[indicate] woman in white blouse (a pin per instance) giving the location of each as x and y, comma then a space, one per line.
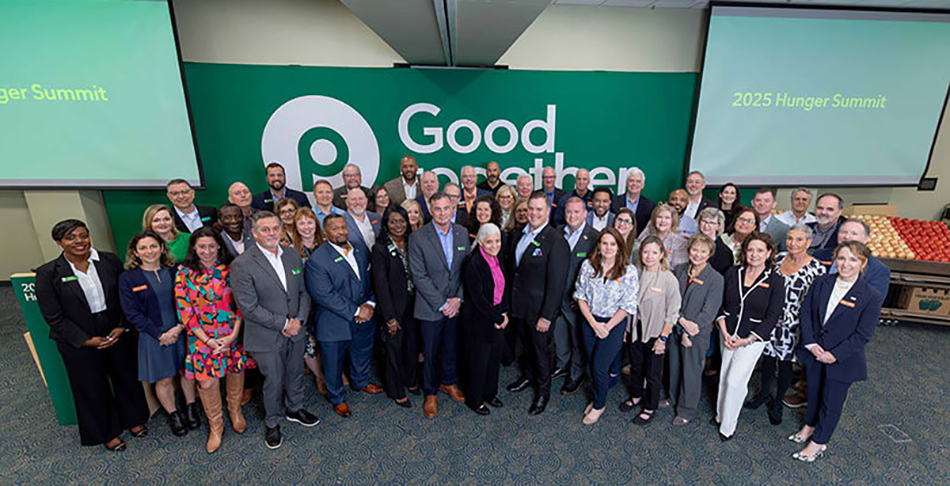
606, 293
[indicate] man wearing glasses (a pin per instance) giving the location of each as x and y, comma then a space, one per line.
187, 215
352, 178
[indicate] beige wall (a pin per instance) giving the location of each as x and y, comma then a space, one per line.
19, 243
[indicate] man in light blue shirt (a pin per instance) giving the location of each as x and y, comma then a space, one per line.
323, 194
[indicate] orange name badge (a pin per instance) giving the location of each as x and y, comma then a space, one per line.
657, 290
696, 280
669, 252
139, 288
764, 285
846, 303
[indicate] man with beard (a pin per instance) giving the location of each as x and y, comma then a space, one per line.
492, 178
352, 178
679, 200
364, 226
406, 185
829, 220
600, 216
188, 216
231, 221
581, 191
695, 184
276, 180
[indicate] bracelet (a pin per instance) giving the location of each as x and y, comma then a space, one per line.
663, 339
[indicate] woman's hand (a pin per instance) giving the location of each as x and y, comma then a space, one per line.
659, 347
600, 329
685, 341
504, 322
689, 326
827, 358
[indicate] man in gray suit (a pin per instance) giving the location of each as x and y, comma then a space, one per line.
436, 253
567, 332
269, 289
406, 186
763, 203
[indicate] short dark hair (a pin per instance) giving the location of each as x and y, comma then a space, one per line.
764, 238
177, 181
193, 261
228, 205
331, 217
606, 189
395, 208
261, 215
438, 196
273, 165
62, 228
867, 228
763, 190
539, 194
831, 194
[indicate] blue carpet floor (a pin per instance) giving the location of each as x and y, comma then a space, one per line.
383, 444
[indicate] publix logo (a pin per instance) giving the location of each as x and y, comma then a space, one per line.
331, 134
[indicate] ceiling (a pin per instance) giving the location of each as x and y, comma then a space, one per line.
477, 33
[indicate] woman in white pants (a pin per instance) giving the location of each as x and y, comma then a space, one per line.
752, 304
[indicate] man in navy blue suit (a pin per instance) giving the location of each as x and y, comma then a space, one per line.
338, 281
277, 190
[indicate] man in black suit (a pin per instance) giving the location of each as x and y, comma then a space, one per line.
548, 180
277, 180
187, 215
696, 202
581, 190
538, 275
352, 178
568, 345
641, 206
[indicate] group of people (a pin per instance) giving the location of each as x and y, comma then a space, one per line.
453, 283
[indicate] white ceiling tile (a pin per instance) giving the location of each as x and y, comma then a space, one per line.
578, 2
675, 3
629, 3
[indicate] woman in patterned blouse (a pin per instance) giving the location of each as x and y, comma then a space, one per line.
207, 309
606, 293
799, 271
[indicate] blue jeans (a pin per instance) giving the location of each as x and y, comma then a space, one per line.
602, 353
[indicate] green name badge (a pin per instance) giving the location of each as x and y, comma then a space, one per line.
295, 271
461, 248
582, 254
70, 279
268, 201
535, 243
206, 218
338, 259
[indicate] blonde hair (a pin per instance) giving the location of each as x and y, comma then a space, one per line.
408, 204
149, 215
655, 240
675, 216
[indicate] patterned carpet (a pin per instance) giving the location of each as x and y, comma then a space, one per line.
383, 444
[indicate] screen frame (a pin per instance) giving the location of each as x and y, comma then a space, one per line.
709, 11
139, 187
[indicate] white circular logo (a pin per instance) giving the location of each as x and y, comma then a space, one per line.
281, 139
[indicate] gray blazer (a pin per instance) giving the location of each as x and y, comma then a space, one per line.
702, 300
777, 230
262, 299
356, 238
435, 282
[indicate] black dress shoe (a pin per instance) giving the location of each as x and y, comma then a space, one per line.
272, 438
414, 391
570, 387
775, 412
713, 422
723, 438
537, 407
558, 373
481, 410
192, 415
404, 404
177, 423
521, 384
756, 402
303, 417
495, 402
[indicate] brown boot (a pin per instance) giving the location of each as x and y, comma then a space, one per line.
235, 389
211, 401
430, 408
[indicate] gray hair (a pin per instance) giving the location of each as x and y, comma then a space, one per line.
712, 212
809, 234
867, 228
803, 189
636, 171
258, 216
486, 230
351, 165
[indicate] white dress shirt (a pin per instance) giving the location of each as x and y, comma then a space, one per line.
366, 229
692, 208
192, 220
276, 262
349, 256
599, 223
238, 244
410, 190
90, 283
790, 219
573, 237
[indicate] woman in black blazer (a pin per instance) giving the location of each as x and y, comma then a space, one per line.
395, 295
838, 318
484, 318
78, 296
752, 303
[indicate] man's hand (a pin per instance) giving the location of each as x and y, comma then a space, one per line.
543, 325
451, 307
292, 327
689, 326
365, 314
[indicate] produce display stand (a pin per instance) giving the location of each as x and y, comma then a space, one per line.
915, 274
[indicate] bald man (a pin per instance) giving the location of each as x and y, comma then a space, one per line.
430, 186
492, 180
406, 186
679, 199
581, 191
240, 195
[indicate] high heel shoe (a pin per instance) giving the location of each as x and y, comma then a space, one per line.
803, 458
798, 439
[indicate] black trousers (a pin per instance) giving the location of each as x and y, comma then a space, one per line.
484, 362
535, 361
106, 390
402, 358
645, 364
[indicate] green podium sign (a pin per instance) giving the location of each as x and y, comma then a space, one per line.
50, 362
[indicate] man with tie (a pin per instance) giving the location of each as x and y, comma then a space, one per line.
568, 345
436, 253
269, 289
277, 190
337, 276
537, 287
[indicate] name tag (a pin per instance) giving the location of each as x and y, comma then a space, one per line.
139, 288
764, 285
657, 290
206, 218
697, 281
535, 243
582, 254
846, 303
338, 259
70, 279
669, 252
375, 221
461, 248
268, 201
295, 271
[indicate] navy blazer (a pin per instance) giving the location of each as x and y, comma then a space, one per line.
356, 237
207, 214
847, 331
63, 303
265, 200
759, 310
558, 210
140, 302
644, 209
424, 207
876, 273
336, 291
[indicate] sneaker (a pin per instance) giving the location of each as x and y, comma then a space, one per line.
303, 417
272, 438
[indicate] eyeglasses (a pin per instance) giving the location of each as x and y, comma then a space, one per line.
710, 223
746, 220
505, 197
288, 211
624, 221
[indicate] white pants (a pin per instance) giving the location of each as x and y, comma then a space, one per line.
737, 367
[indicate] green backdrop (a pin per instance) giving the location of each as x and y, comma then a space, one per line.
606, 120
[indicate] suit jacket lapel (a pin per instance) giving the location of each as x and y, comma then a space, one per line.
437, 243
853, 296
64, 271
265, 265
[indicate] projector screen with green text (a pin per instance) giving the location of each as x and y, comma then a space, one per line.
820, 97
92, 95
